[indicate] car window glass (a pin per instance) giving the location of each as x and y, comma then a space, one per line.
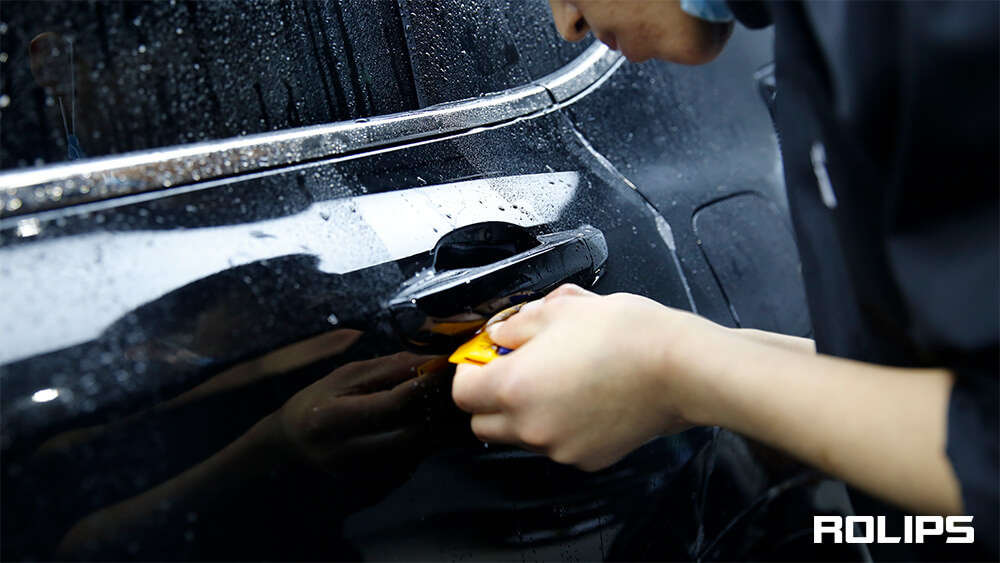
541, 48
465, 48
85, 79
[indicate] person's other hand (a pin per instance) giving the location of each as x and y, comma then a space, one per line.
589, 380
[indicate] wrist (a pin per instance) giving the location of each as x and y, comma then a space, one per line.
269, 438
687, 369
732, 375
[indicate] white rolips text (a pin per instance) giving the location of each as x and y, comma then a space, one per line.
871, 529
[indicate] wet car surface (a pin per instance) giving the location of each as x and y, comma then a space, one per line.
223, 330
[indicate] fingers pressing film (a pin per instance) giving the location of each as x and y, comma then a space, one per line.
513, 330
520, 328
532, 318
474, 390
493, 428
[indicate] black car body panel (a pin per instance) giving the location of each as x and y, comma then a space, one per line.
211, 368
708, 138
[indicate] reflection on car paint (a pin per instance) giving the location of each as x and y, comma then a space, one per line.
345, 425
243, 311
526, 200
345, 235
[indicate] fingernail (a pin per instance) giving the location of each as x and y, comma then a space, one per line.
493, 328
504, 315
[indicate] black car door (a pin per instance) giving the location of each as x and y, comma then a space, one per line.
226, 313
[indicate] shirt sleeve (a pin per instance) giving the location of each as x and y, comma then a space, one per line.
943, 225
972, 447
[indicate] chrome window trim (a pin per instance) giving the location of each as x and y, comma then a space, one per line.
50, 187
585, 70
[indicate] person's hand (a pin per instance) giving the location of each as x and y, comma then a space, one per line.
592, 378
589, 380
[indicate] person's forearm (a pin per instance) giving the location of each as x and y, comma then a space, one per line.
797, 343
880, 429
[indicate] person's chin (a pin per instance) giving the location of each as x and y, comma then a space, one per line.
634, 57
608, 39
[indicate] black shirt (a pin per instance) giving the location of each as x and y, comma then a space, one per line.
888, 118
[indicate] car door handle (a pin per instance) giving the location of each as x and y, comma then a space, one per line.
484, 268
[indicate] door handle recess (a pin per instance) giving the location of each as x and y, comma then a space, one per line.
443, 306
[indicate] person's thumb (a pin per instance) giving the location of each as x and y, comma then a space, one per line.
519, 328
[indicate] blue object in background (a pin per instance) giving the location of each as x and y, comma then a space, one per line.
709, 10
